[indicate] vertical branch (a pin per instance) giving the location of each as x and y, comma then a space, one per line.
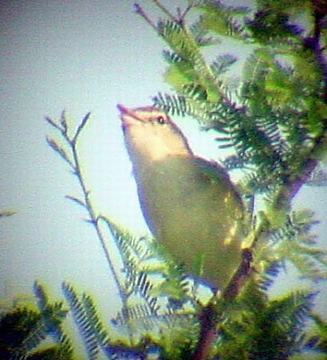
93, 220
313, 43
75, 165
208, 332
319, 14
210, 316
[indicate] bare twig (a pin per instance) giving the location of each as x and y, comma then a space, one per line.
139, 10
165, 11
183, 14
86, 202
53, 124
80, 127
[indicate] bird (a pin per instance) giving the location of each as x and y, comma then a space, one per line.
190, 205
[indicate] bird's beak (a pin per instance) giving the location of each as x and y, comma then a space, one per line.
128, 116
123, 109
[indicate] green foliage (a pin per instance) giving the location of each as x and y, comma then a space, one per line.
294, 241
318, 337
16, 327
122, 338
94, 334
275, 126
262, 329
24, 328
289, 5
222, 19
154, 292
188, 65
277, 117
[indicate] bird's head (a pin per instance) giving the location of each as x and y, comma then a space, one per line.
151, 135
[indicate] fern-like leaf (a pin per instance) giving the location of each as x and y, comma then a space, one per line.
82, 321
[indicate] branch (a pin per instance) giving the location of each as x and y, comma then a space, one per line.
86, 202
183, 15
211, 316
179, 20
166, 11
80, 128
293, 183
201, 65
313, 43
208, 333
139, 10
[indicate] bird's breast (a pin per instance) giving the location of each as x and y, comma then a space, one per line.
193, 209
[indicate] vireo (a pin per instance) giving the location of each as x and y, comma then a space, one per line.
189, 203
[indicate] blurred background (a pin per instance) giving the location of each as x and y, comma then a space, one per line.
79, 57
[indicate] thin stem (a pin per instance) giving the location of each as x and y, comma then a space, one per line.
139, 10
80, 127
75, 165
164, 10
93, 219
201, 64
183, 15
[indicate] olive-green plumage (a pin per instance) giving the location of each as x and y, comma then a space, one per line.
189, 203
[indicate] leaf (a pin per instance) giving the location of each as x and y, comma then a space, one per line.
81, 126
58, 149
222, 63
7, 213
76, 200
83, 321
53, 124
179, 74
222, 20
63, 122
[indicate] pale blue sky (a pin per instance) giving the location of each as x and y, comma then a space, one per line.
79, 56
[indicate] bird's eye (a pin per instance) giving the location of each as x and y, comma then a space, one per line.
161, 120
